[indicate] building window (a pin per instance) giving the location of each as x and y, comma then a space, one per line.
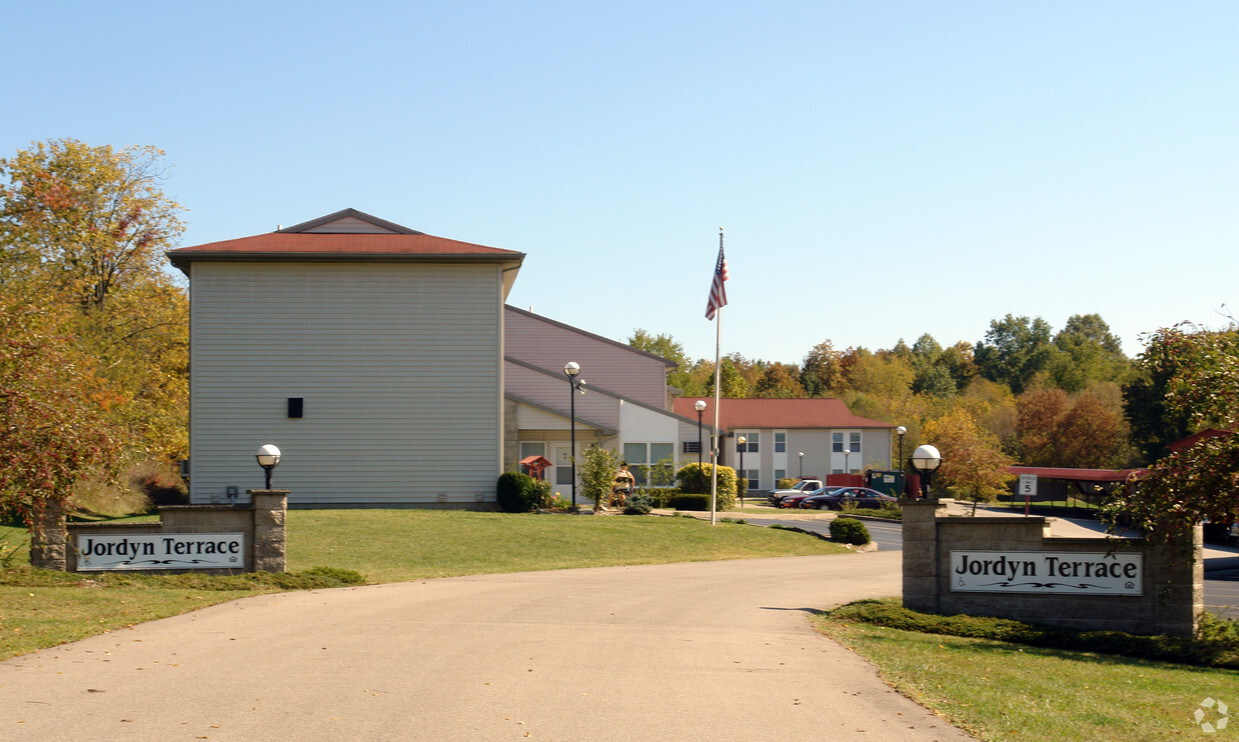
750, 441
779, 474
836, 442
854, 442
651, 464
751, 475
532, 449
780, 442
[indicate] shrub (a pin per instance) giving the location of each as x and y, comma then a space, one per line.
639, 503
849, 531
785, 483
159, 484
542, 495
695, 479
515, 492
689, 502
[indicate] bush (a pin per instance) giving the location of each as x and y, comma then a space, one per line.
689, 502
515, 492
639, 503
159, 484
785, 483
849, 531
695, 479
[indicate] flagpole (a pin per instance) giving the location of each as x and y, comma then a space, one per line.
718, 342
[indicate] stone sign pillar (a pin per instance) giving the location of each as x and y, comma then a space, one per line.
270, 509
48, 537
920, 553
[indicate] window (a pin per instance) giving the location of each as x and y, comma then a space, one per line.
533, 449
751, 475
854, 442
779, 474
750, 441
780, 442
836, 442
651, 464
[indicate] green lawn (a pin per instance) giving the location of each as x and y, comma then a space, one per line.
41, 609
1005, 692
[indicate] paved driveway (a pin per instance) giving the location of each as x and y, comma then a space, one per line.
704, 651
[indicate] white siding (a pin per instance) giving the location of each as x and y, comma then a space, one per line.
399, 364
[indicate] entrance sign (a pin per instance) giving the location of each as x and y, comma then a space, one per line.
1046, 572
106, 552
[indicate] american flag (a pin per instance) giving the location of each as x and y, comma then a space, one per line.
718, 292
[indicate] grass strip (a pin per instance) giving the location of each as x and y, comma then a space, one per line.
1005, 691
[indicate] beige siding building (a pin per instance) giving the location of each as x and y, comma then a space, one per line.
371, 354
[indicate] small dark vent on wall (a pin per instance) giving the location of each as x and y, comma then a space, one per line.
296, 406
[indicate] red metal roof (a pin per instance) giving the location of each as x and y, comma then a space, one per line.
735, 414
1075, 475
1195, 438
281, 245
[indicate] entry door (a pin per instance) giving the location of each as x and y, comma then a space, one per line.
563, 468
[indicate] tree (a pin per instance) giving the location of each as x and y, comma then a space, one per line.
91, 219
667, 347
52, 431
597, 474
1015, 350
972, 460
1089, 353
779, 381
1201, 482
733, 384
84, 228
821, 370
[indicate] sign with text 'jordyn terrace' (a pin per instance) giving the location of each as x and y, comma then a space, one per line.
1046, 572
105, 552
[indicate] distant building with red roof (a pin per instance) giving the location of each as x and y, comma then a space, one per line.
778, 431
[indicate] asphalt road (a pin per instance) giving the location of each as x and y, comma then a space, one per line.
706, 651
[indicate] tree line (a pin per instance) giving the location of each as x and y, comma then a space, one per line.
1024, 394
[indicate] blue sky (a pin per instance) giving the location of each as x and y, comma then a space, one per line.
882, 169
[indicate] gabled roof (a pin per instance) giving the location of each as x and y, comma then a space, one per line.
1195, 438
345, 235
819, 414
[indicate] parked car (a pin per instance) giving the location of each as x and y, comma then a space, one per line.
861, 497
804, 486
793, 501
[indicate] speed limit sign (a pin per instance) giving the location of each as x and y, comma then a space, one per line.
1028, 484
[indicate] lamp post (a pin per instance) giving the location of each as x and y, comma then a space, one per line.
801, 455
268, 457
740, 446
926, 460
700, 406
847, 466
902, 466
571, 369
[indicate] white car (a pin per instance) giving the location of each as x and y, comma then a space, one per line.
801, 487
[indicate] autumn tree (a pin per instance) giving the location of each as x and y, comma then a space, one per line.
973, 463
91, 219
779, 381
52, 430
821, 370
